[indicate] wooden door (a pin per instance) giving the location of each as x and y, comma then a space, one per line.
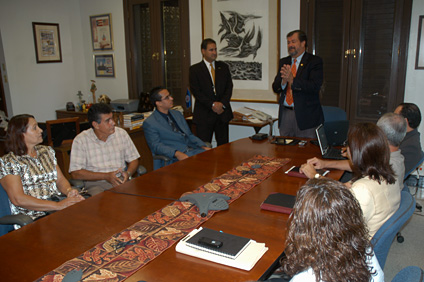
157, 46
364, 47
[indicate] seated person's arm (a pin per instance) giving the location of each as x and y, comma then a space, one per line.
336, 164
13, 186
64, 186
110, 177
180, 155
131, 169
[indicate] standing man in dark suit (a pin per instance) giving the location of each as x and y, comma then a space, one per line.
298, 82
212, 86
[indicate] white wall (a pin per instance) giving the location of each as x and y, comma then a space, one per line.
40, 89
414, 86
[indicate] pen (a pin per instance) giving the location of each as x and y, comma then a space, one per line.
290, 169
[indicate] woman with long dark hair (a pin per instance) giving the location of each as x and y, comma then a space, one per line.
29, 172
327, 238
373, 183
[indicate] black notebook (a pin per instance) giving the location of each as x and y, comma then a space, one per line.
232, 245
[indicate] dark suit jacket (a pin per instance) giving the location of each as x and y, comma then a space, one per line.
201, 87
162, 140
305, 88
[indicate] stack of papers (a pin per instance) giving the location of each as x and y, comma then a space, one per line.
238, 252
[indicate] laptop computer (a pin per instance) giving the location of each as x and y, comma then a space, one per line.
336, 132
327, 151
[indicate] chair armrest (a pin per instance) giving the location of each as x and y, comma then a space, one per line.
141, 170
20, 219
160, 157
77, 183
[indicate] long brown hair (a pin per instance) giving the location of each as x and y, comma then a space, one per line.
327, 233
370, 153
16, 128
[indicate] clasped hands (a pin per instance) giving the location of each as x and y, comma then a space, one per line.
286, 74
218, 107
118, 177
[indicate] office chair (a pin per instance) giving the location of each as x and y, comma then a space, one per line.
62, 130
160, 161
408, 173
333, 113
383, 239
7, 220
409, 274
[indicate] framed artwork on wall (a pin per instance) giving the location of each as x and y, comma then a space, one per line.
101, 32
419, 63
104, 65
247, 35
47, 42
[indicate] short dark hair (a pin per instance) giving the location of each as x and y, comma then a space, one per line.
412, 113
205, 43
394, 126
15, 141
370, 153
95, 112
155, 96
301, 34
327, 232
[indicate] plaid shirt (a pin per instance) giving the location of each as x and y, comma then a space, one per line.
92, 154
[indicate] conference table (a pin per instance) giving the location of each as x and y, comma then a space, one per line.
34, 250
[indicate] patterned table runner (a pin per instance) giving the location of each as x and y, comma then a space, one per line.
127, 251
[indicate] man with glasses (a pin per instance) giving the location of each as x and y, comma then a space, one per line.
166, 130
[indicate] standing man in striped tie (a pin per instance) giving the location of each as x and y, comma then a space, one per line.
212, 86
298, 82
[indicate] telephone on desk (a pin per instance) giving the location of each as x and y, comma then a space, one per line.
261, 115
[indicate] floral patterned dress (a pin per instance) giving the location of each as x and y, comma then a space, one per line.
38, 176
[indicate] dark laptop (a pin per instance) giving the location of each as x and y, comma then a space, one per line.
327, 151
336, 132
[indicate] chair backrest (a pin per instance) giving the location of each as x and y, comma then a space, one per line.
4, 210
333, 113
409, 274
60, 130
407, 173
383, 239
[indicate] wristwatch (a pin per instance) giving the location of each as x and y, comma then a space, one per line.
317, 175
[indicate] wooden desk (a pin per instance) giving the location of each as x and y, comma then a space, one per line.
256, 126
40, 247
137, 136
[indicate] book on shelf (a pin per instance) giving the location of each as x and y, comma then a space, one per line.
279, 202
231, 250
294, 171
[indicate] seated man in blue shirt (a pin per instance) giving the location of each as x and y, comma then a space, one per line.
166, 130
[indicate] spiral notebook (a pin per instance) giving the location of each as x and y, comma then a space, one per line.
246, 257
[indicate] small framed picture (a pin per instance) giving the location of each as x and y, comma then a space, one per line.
104, 65
419, 63
47, 42
101, 32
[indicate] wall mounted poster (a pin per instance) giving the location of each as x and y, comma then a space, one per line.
247, 37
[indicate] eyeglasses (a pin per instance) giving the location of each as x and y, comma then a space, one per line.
166, 97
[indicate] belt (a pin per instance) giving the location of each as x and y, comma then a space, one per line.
289, 108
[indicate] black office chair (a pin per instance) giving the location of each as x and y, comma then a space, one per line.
7, 220
408, 173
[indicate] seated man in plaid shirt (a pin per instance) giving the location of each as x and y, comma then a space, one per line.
103, 156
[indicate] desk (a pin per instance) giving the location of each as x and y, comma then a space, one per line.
256, 126
40, 247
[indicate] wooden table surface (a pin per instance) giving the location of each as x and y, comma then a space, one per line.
40, 247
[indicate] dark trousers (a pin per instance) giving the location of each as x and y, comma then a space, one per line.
288, 125
206, 131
